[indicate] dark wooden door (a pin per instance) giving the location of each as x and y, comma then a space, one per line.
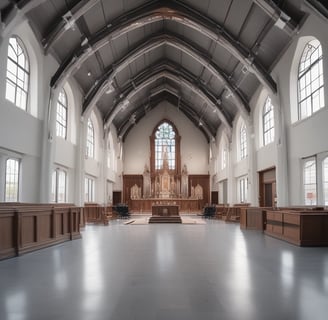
117, 197
268, 201
267, 185
214, 197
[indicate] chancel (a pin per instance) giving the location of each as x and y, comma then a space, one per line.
163, 159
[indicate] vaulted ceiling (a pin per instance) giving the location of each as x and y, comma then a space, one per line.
206, 57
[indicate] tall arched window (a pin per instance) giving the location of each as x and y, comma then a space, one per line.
325, 181
17, 79
165, 146
268, 122
243, 141
90, 140
61, 118
310, 80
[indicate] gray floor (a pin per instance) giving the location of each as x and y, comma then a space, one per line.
211, 271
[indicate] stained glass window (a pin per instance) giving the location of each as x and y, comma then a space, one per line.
165, 146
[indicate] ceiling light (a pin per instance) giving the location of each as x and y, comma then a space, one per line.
110, 87
125, 103
229, 93
133, 118
89, 74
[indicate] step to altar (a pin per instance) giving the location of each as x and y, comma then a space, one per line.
163, 219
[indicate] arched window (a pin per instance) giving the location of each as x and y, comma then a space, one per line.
310, 80
17, 79
325, 181
310, 182
12, 179
268, 122
165, 146
90, 140
243, 141
61, 118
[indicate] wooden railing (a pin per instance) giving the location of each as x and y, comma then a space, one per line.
28, 227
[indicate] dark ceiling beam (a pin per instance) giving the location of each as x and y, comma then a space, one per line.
17, 10
168, 71
164, 95
101, 86
158, 11
67, 22
319, 6
281, 19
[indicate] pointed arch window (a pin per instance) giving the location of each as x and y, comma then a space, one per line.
165, 146
310, 80
268, 122
17, 78
61, 118
243, 141
90, 140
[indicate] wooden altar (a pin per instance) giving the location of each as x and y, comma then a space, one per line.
145, 205
165, 210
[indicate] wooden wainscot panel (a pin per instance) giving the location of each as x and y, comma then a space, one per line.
7, 233
314, 229
30, 227
253, 218
303, 228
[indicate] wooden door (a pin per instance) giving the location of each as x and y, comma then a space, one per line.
214, 197
267, 187
117, 197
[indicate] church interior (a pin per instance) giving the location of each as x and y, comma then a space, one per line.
202, 122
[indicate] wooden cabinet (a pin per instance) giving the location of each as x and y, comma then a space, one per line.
303, 228
253, 218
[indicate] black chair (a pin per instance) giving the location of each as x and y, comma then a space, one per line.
209, 211
122, 210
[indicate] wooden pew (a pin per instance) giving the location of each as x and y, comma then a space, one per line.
28, 227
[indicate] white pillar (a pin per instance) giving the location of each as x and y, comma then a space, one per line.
48, 149
80, 164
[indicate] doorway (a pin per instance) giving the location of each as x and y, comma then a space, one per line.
267, 185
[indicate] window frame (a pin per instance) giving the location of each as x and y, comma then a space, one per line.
89, 189
56, 186
307, 192
268, 122
243, 141
17, 183
243, 189
22, 73
90, 140
325, 180
305, 91
62, 117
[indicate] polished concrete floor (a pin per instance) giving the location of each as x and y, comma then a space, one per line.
167, 272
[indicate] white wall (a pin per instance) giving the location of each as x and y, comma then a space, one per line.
309, 136
194, 146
